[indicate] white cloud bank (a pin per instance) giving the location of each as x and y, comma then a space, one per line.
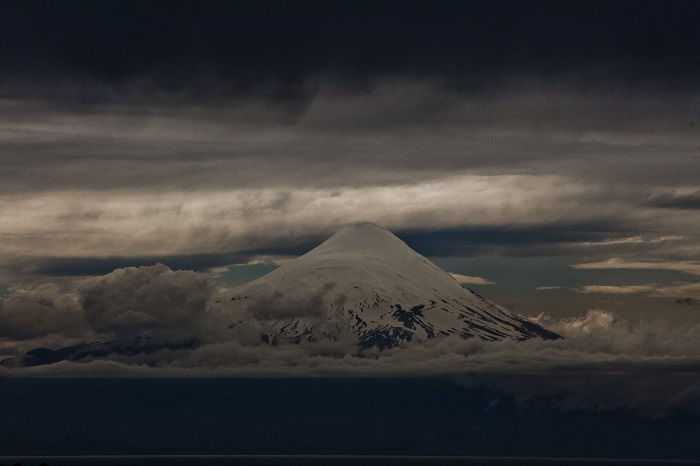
130, 223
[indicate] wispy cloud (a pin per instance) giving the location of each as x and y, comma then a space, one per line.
684, 199
633, 240
675, 290
688, 267
467, 280
608, 289
679, 290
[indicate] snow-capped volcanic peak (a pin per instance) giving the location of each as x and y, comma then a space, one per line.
366, 282
364, 237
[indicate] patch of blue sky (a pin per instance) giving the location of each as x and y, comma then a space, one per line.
241, 274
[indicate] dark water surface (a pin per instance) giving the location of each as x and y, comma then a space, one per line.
317, 460
326, 416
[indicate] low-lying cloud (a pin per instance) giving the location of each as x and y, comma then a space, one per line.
629, 289
676, 290
168, 306
276, 305
153, 302
604, 362
41, 311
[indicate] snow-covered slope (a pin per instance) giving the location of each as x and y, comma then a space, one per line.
366, 282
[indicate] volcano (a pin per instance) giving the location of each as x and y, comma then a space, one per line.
366, 283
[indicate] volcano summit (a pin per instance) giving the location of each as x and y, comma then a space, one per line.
367, 283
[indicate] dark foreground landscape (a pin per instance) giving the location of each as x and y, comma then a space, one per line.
326, 416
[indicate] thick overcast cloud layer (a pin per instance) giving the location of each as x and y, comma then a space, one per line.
160, 182
151, 133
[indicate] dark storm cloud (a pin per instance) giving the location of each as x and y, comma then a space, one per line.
395, 131
184, 46
684, 201
180, 96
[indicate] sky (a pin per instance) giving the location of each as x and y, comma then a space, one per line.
548, 152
